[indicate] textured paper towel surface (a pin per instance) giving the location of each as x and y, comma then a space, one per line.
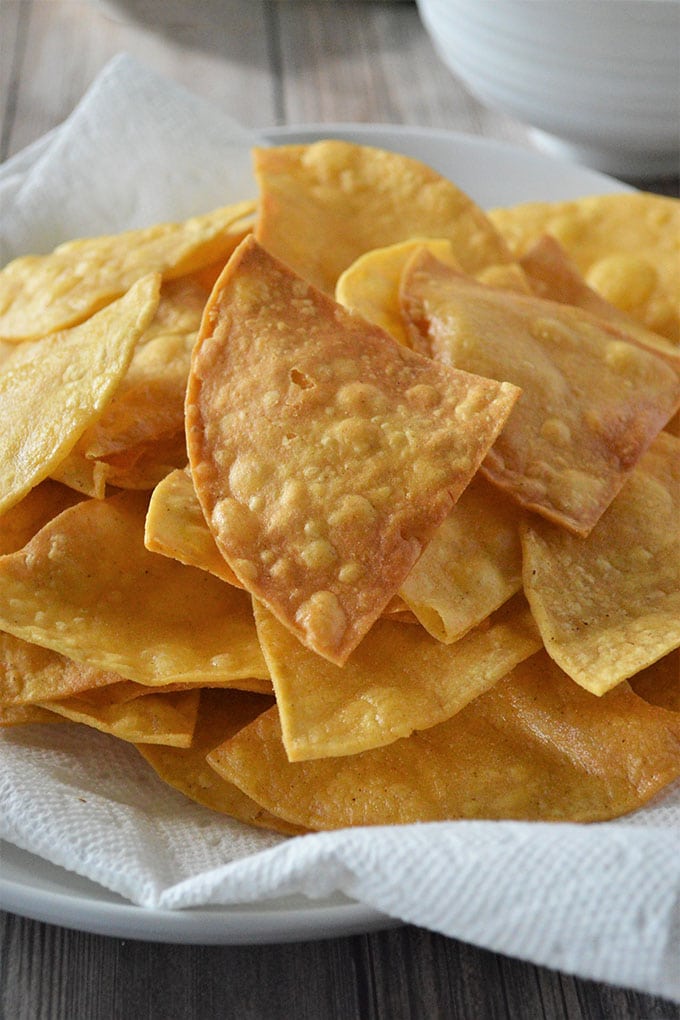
600, 901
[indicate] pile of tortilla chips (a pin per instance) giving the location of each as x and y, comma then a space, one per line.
353, 504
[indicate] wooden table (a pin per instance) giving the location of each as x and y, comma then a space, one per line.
265, 63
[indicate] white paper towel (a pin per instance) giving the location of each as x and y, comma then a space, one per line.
599, 901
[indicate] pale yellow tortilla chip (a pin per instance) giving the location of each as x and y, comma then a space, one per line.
535, 747
221, 714
40, 294
324, 204
324, 454
175, 527
470, 567
86, 587
626, 245
72, 375
24, 715
165, 719
591, 402
609, 605
398, 680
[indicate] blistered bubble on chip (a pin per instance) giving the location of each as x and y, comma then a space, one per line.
591, 402
323, 205
40, 294
75, 374
535, 747
354, 467
609, 605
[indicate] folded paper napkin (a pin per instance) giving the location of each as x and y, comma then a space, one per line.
600, 901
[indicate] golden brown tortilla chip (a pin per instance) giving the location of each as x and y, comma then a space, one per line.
175, 527
470, 567
591, 402
398, 680
165, 719
660, 683
30, 514
609, 605
323, 205
555, 276
30, 673
41, 294
626, 245
324, 454
535, 747
73, 374
86, 587
221, 714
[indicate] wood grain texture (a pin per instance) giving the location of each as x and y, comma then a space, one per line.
264, 62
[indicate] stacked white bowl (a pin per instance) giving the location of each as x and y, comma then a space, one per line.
597, 80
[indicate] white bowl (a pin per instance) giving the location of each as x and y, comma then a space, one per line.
597, 80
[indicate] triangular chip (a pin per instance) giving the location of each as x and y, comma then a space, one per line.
324, 454
74, 375
626, 245
30, 673
471, 566
85, 586
609, 605
591, 402
323, 205
221, 714
535, 747
165, 719
40, 294
555, 276
398, 680
175, 527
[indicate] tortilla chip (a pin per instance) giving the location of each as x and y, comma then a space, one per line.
609, 605
149, 403
591, 402
165, 719
75, 373
324, 454
471, 566
88, 477
175, 527
626, 245
535, 747
86, 587
370, 286
221, 714
398, 680
30, 514
29, 673
555, 276
323, 205
142, 467
41, 294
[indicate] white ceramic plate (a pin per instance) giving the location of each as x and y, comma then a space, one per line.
493, 173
